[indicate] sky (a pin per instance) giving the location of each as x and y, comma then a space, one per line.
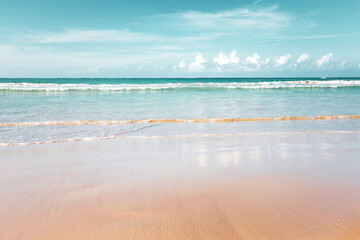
228, 38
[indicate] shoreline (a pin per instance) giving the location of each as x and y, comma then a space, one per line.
238, 187
116, 137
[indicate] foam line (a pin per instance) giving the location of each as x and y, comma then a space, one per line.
53, 87
156, 121
116, 136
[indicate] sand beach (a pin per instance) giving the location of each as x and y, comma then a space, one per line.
273, 186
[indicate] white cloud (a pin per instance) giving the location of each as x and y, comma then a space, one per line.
234, 58
222, 59
253, 63
181, 66
95, 36
198, 64
77, 63
242, 18
303, 57
253, 60
324, 59
282, 60
232, 62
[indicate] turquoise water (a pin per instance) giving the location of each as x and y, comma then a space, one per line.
41, 100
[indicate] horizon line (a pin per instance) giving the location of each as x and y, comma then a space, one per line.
322, 77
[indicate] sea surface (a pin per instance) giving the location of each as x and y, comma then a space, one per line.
34, 111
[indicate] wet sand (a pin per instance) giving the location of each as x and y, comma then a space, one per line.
301, 186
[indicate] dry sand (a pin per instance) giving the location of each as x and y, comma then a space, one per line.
243, 187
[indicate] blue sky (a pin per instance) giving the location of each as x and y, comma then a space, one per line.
110, 38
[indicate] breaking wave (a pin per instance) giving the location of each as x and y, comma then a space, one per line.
165, 86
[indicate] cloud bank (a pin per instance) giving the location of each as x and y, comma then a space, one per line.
232, 62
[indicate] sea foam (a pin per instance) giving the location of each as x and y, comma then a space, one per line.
165, 86
157, 121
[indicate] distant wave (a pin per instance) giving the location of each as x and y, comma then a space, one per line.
157, 121
52, 87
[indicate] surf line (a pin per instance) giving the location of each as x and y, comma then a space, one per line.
157, 121
116, 136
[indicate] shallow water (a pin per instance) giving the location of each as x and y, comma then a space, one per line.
41, 100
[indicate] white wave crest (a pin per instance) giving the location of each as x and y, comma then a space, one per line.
163, 86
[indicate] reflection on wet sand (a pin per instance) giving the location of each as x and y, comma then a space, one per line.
234, 187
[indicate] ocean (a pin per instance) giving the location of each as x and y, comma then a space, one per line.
39, 111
